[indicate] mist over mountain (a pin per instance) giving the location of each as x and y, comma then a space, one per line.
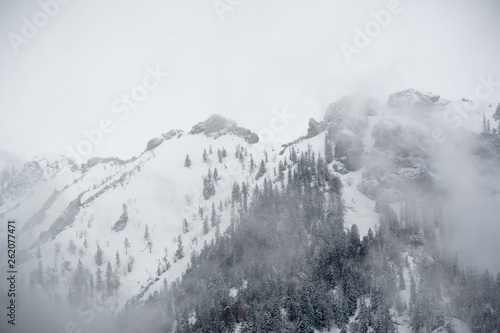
368, 222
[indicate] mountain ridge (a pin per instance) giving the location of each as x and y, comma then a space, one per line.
375, 151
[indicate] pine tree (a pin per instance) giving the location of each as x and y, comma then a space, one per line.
328, 151
98, 256
187, 162
99, 285
252, 164
205, 225
117, 259
91, 286
179, 254
109, 280
213, 218
71, 246
496, 116
208, 188
205, 155
146, 233
235, 193
244, 192
219, 155
39, 273
126, 244
122, 221
262, 170
78, 284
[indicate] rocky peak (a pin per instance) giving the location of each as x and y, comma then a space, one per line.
155, 142
416, 99
216, 126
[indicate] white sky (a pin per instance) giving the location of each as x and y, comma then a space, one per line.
263, 55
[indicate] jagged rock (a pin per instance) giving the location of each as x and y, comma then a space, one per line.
155, 142
417, 100
349, 150
315, 128
97, 160
31, 174
216, 126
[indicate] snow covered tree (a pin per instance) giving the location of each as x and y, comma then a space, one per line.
219, 155
208, 188
109, 280
99, 283
130, 264
126, 244
98, 255
252, 164
179, 254
122, 221
244, 193
328, 151
205, 225
262, 170
117, 259
72, 246
77, 284
496, 116
205, 155
187, 162
146, 233
235, 192
213, 218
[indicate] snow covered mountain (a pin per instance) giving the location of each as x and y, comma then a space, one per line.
138, 222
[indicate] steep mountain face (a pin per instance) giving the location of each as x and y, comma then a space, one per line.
129, 228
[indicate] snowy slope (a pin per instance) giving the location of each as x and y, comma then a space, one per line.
57, 203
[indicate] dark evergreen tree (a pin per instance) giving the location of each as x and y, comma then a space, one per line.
98, 256
205, 226
328, 151
126, 244
122, 221
187, 162
117, 259
208, 188
262, 170
213, 217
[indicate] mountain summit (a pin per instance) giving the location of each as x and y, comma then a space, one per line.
216, 126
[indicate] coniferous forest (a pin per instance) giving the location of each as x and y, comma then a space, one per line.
287, 263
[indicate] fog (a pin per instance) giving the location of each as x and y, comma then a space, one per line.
261, 55
472, 202
244, 63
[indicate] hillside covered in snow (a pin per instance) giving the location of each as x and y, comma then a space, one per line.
345, 229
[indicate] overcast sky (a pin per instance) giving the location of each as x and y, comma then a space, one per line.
260, 56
